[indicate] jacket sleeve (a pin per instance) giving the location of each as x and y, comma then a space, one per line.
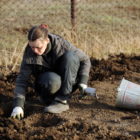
85, 66
21, 84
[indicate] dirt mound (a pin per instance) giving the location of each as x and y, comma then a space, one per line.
115, 68
87, 118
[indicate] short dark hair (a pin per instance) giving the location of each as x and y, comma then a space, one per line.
36, 32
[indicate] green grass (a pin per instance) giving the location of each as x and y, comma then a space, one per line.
103, 27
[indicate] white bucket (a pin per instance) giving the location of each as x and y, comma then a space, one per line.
128, 95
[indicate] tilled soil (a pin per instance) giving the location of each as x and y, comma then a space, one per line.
87, 119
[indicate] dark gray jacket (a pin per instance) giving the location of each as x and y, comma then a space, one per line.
56, 48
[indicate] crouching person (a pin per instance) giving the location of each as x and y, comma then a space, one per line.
58, 68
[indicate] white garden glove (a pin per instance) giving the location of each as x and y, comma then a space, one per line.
82, 88
17, 113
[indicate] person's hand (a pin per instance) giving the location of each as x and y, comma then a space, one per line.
17, 113
82, 88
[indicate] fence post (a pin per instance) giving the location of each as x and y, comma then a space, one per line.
73, 14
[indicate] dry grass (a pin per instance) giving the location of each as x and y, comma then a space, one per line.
10, 58
103, 27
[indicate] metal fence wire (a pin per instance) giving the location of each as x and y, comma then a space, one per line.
91, 18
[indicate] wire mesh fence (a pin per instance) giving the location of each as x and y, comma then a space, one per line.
101, 25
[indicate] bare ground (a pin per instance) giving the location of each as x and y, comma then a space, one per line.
87, 119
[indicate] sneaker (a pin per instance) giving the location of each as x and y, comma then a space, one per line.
57, 107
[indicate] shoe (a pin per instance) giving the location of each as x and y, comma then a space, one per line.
57, 107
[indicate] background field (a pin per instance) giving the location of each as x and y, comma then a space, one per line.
103, 27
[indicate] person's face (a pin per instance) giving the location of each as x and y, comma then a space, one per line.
39, 45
